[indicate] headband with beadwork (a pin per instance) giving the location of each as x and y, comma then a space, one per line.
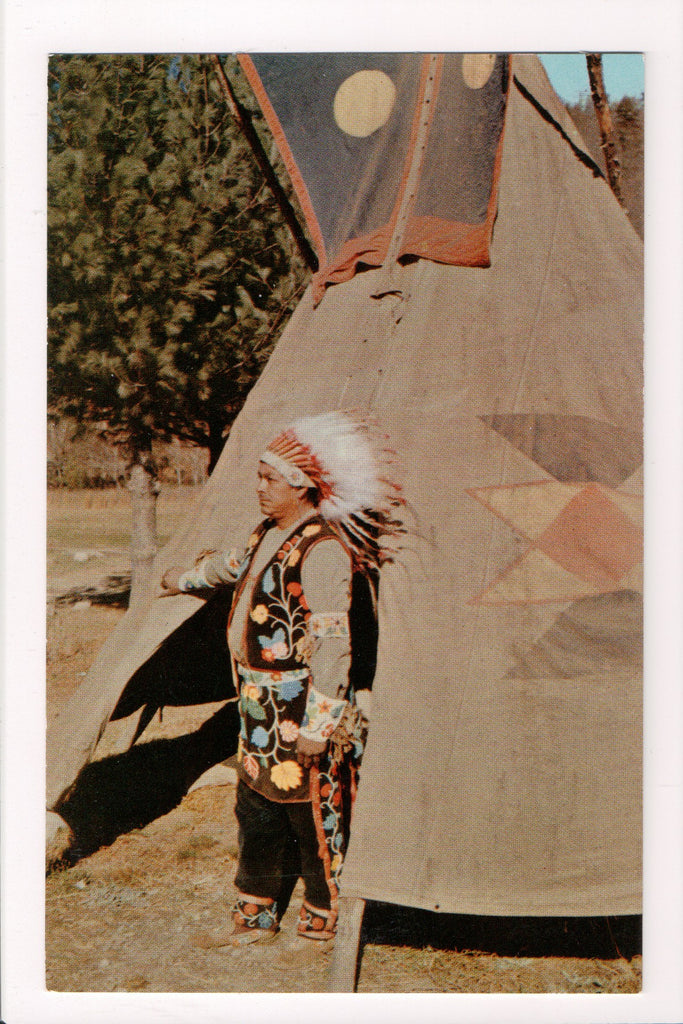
294, 476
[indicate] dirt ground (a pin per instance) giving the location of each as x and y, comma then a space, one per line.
140, 910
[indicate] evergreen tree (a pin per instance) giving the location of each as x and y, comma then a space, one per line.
170, 273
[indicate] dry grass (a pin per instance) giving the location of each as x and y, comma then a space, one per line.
97, 524
132, 915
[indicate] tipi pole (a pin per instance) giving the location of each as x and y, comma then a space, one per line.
345, 953
269, 174
604, 119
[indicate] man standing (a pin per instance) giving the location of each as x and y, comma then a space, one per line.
329, 509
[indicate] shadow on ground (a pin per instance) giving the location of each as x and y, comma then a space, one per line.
129, 790
602, 938
113, 795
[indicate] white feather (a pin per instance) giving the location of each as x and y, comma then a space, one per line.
349, 465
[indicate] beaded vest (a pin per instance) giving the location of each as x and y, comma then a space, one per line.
274, 687
276, 633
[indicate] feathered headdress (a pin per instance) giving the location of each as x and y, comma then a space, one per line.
348, 463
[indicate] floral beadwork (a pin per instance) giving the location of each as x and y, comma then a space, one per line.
329, 815
271, 704
322, 715
315, 923
287, 775
288, 730
255, 912
324, 625
277, 702
277, 631
286, 612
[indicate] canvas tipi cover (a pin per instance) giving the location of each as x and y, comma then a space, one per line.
503, 768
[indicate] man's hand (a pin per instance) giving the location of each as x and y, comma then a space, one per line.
169, 582
309, 752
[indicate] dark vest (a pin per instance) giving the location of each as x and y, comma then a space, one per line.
276, 633
276, 642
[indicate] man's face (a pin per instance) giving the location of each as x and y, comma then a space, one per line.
278, 500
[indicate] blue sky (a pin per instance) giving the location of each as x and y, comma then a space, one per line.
623, 74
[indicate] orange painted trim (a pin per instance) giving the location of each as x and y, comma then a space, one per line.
498, 162
367, 249
429, 238
462, 245
458, 244
443, 241
323, 851
372, 249
298, 183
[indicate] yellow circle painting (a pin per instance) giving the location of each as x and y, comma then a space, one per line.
477, 68
363, 103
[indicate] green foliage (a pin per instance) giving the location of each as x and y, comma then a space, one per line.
170, 274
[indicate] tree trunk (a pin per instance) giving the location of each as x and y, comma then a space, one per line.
144, 488
604, 118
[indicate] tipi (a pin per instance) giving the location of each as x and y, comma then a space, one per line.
503, 769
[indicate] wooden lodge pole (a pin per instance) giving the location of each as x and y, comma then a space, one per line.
345, 952
604, 118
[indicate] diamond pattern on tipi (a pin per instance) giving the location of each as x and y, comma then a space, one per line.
593, 636
571, 448
582, 541
585, 536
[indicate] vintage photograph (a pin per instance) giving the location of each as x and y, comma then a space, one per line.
344, 522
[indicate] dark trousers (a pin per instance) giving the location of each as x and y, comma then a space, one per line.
271, 835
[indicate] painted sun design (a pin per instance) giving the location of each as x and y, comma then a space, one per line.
363, 103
